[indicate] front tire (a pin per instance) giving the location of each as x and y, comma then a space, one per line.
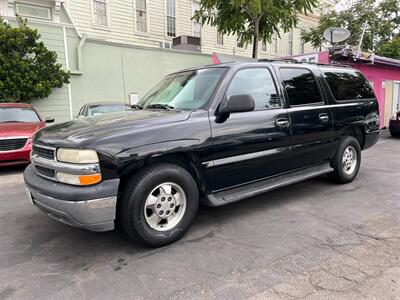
347, 161
159, 204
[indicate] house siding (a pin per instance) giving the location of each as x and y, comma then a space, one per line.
121, 27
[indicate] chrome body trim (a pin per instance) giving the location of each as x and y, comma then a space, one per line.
47, 148
95, 215
78, 169
14, 137
243, 157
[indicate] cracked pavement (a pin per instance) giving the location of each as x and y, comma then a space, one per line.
312, 240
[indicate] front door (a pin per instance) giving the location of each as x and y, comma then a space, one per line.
310, 117
250, 145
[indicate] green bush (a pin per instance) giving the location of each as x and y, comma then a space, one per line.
28, 69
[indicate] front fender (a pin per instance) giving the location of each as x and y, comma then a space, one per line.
136, 157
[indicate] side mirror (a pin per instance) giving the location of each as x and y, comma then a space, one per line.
238, 103
49, 120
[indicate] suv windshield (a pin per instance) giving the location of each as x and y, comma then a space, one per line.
186, 90
18, 114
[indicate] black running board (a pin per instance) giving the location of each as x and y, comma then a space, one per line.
265, 185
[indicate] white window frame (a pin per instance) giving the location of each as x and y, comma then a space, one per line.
49, 10
94, 24
222, 39
147, 19
274, 43
263, 46
194, 21
239, 44
163, 45
166, 18
290, 42
302, 47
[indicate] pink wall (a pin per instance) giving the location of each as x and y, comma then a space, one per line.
323, 57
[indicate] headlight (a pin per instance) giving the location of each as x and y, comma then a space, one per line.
76, 156
78, 179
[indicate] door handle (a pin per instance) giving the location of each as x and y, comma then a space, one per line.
324, 117
282, 122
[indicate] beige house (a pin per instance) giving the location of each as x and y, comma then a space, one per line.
154, 23
111, 46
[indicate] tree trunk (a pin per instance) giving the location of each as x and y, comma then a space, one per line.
256, 37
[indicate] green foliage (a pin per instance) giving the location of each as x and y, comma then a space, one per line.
390, 48
383, 24
253, 20
27, 69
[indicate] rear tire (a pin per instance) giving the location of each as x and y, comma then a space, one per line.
394, 134
347, 161
159, 204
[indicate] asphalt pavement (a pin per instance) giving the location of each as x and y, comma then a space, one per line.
312, 240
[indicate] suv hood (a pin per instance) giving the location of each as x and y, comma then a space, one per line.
84, 130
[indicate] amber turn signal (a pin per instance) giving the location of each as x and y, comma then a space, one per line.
89, 179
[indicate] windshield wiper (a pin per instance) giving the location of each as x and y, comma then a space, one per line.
160, 106
135, 106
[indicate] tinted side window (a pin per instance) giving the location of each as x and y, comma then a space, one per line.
258, 83
347, 84
300, 85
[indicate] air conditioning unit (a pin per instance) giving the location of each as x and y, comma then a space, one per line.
187, 43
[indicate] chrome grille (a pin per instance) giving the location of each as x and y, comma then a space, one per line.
46, 153
12, 144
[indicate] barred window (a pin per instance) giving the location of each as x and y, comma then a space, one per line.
141, 15
220, 38
171, 18
100, 12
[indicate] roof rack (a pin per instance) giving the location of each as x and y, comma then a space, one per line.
294, 61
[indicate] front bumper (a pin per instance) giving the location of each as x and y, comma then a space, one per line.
92, 208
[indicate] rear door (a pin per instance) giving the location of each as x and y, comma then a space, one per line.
310, 115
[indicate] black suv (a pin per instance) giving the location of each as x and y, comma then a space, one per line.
212, 135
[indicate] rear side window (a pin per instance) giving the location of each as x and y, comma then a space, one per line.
301, 86
347, 84
258, 83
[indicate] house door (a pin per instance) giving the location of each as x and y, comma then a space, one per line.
396, 97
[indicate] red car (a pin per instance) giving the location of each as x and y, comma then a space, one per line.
18, 122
